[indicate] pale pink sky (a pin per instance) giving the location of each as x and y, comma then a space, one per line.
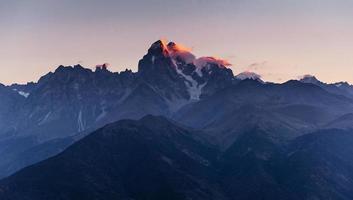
279, 39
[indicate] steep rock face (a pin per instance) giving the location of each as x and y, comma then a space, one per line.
176, 72
74, 96
157, 70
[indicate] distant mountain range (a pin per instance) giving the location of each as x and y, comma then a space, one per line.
341, 88
219, 136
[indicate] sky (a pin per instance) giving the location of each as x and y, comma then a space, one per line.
278, 39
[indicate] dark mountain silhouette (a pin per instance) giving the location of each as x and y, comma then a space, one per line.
155, 159
146, 159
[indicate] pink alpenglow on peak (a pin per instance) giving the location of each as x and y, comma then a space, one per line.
180, 52
203, 61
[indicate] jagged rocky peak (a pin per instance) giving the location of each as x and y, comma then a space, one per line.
68, 69
173, 64
103, 67
181, 54
76, 71
79, 69
157, 60
168, 68
64, 74
159, 48
75, 78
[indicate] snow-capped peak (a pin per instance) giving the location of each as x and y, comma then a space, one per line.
165, 61
248, 75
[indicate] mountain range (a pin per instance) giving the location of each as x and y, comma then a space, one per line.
180, 127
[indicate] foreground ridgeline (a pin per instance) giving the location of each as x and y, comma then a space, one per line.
155, 159
219, 136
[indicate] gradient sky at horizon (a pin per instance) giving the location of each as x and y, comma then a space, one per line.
279, 39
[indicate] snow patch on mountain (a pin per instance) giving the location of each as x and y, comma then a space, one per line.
207, 60
194, 89
81, 126
248, 75
45, 119
22, 93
